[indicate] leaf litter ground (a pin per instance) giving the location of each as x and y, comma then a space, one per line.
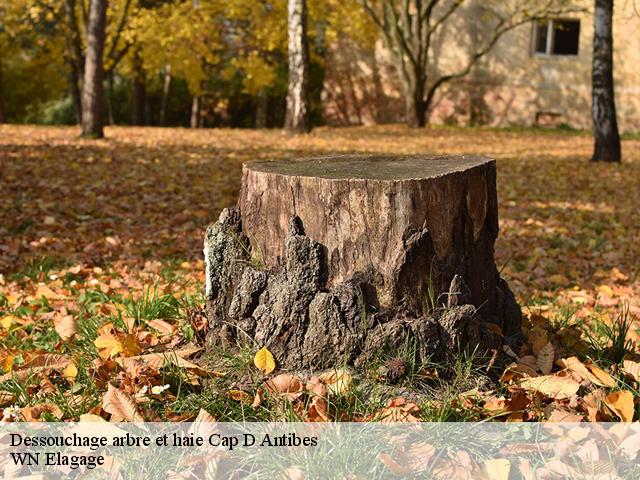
102, 273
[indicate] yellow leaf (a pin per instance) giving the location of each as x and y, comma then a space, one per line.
120, 405
622, 404
70, 372
552, 386
7, 321
497, 469
264, 361
110, 346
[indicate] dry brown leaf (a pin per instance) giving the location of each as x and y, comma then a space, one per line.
120, 405
66, 327
42, 363
398, 410
239, 395
622, 404
264, 361
163, 327
545, 358
317, 411
33, 414
338, 381
316, 387
559, 415
552, 386
632, 369
285, 385
605, 379
411, 460
258, 398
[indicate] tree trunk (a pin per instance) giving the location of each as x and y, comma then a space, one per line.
76, 60
2, 116
298, 115
603, 108
166, 88
92, 88
262, 105
195, 112
139, 92
76, 96
334, 259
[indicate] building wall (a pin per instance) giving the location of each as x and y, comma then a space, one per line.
510, 86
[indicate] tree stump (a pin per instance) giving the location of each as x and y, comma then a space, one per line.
338, 259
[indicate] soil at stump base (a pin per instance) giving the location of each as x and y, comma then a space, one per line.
339, 259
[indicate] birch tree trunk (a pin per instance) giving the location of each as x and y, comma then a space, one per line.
297, 117
195, 112
92, 88
603, 108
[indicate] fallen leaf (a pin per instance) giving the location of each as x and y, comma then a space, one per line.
65, 326
545, 358
552, 386
559, 415
632, 369
264, 361
338, 381
70, 372
239, 395
622, 404
398, 410
120, 405
285, 385
605, 379
497, 469
90, 417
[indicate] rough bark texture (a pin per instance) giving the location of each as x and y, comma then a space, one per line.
298, 115
603, 108
344, 258
92, 89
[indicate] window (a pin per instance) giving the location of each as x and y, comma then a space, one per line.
556, 37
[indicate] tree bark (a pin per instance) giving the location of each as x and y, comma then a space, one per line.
603, 108
331, 259
2, 116
298, 115
76, 95
92, 89
76, 59
139, 92
166, 89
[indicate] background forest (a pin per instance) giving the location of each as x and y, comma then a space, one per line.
225, 61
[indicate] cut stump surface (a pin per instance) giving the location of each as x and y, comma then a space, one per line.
332, 258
